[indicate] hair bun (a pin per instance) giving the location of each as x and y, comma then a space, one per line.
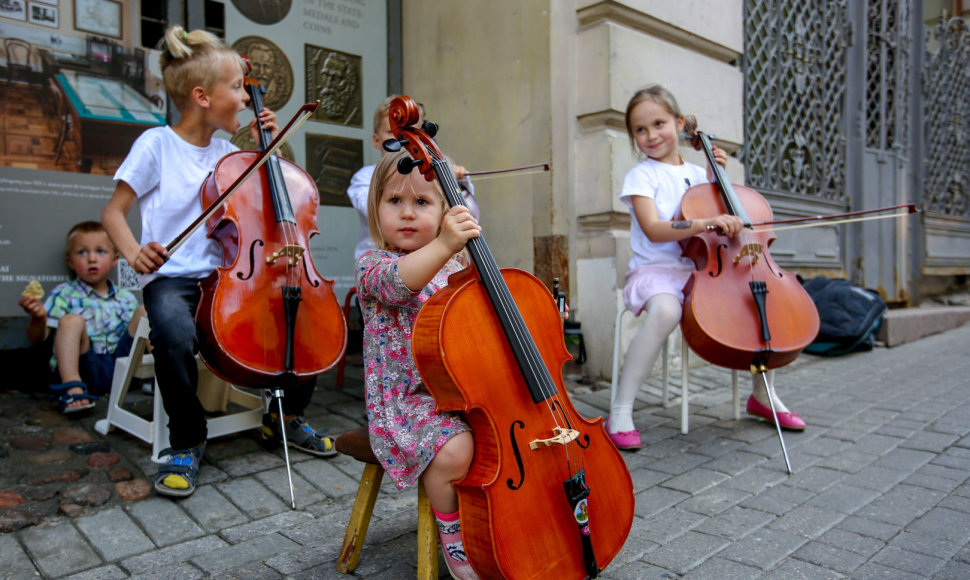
690, 125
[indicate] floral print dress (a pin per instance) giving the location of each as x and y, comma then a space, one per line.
405, 431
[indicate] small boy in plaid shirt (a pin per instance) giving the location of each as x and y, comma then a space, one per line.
93, 320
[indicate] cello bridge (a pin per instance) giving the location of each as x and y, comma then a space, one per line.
293, 252
752, 250
562, 436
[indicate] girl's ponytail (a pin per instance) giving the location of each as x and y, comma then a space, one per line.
191, 59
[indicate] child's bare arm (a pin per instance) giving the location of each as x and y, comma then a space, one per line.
144, 259
657, 230
37, 327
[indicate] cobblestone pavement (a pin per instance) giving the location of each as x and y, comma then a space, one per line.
879, 487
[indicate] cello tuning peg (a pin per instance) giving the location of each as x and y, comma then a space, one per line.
406, 164
430, 128
391, 145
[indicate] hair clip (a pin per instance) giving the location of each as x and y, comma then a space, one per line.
185, 35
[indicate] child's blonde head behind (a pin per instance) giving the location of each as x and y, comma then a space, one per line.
193, 59
385, 170
382, 110
381, 113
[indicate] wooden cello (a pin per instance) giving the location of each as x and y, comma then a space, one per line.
741, 310
547, 494
267, 318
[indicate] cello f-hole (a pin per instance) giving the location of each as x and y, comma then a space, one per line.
771, 269
518, 456
720, 263
585, 436
306, 272
252, 260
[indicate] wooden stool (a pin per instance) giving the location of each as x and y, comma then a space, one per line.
356, 444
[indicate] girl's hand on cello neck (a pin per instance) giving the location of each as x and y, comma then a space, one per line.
457, 227
726, 224
420, 266
267, 121
720, 156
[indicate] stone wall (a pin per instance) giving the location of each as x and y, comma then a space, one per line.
515, 82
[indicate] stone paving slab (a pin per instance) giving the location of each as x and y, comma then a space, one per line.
114, 535
879, 489
59, 549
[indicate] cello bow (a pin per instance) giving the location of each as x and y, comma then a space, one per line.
835, 219
496, 172
298, 119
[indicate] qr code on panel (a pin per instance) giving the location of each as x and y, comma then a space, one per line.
127, 276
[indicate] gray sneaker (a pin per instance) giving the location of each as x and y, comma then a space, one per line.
300, 435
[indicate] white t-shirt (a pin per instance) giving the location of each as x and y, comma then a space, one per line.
357, 192
665, 184
166, 172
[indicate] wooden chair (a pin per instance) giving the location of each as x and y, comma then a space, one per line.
64, 122
214, 394
19, 54
665, 364
356, 444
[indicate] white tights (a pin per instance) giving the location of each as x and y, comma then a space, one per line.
661, 315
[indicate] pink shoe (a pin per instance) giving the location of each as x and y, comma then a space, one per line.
624, 439
790, 421
455, 559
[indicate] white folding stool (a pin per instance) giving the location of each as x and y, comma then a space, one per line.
214, 394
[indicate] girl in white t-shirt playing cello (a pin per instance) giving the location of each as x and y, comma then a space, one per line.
658, 271
162, 174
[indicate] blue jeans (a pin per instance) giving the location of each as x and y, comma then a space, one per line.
171, 305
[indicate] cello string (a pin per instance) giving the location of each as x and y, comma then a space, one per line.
507, 308
736, 208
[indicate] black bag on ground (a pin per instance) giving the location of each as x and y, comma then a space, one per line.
28, 369
849, 316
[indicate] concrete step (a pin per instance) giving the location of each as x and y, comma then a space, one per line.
909, 324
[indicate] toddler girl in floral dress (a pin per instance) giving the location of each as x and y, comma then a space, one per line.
417, 238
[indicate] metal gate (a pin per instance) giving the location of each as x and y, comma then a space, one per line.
794, 152
945, 243
877, 250
842, 98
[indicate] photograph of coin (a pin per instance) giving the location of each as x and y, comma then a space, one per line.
331, 162
270, 68
333, 77
263, 11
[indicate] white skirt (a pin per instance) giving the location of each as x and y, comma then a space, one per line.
645, 282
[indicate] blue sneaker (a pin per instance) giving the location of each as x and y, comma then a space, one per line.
179, 470
300, 435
